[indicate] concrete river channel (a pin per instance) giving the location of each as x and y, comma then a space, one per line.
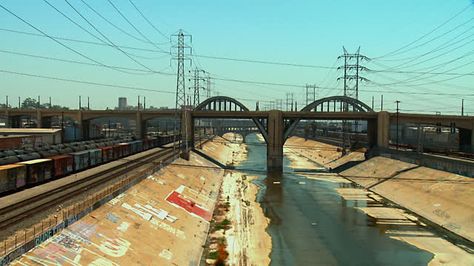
311, 224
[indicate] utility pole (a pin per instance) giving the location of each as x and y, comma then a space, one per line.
6, 102
398, 114
19, 102
279, 104
80, 103
39, 102
351, 77
138, 103
50, 102
88, 103
310, 93
381, 102
462, 107
289, 101
372, 102
181, 56
144, 103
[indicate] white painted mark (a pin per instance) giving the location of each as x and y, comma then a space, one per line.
166, 254
123, 227
114, 247
102, 262
140, 213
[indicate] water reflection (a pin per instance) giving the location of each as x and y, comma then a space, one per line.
311, 224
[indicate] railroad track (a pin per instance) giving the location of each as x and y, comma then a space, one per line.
17, 212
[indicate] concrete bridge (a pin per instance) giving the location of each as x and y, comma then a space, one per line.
275, 126
43, 117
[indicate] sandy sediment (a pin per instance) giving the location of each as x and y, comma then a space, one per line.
318, 153
239, 222
227, 149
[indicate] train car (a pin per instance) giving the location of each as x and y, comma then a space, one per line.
136, 146
117, 151
38, 170
29, 156
126, 148
63, 165
107, 153
80, 160
9, 160
12, 177
95, 157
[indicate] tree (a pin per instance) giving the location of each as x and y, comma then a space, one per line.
29, 103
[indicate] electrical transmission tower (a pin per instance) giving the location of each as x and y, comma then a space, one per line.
352, 69
310, 93
197, 78
208, 86
182, 55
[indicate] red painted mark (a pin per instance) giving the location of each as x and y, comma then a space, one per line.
188, 205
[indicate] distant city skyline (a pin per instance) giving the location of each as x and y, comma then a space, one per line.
420, 51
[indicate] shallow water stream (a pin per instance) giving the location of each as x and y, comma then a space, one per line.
311, 224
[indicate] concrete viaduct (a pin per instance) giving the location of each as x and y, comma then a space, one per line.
275, 126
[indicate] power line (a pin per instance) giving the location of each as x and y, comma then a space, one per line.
147, 20
223, 58
60, 43
438, 48
84, 82
112, 24
105, 37
397, 51
143, 72
132, 25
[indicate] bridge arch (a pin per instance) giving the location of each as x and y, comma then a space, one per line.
224, 103
329, 104
337, 104
221, 103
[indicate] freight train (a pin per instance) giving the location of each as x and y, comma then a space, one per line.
27, 168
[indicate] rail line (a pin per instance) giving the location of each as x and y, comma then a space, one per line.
18, 211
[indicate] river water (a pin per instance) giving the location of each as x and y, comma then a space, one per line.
311, 224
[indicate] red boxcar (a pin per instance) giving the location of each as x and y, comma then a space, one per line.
63, 165
107, 154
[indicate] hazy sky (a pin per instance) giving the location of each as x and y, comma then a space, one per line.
298, 32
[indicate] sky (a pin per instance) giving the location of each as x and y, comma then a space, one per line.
421, 52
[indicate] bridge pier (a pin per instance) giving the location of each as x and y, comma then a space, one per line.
383, 129
14, 121
372, 133
140, 126
85, 129
39, 119
275, 141
187, 133
466, 140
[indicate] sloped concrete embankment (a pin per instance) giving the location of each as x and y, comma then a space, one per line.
440, 197
163, 220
